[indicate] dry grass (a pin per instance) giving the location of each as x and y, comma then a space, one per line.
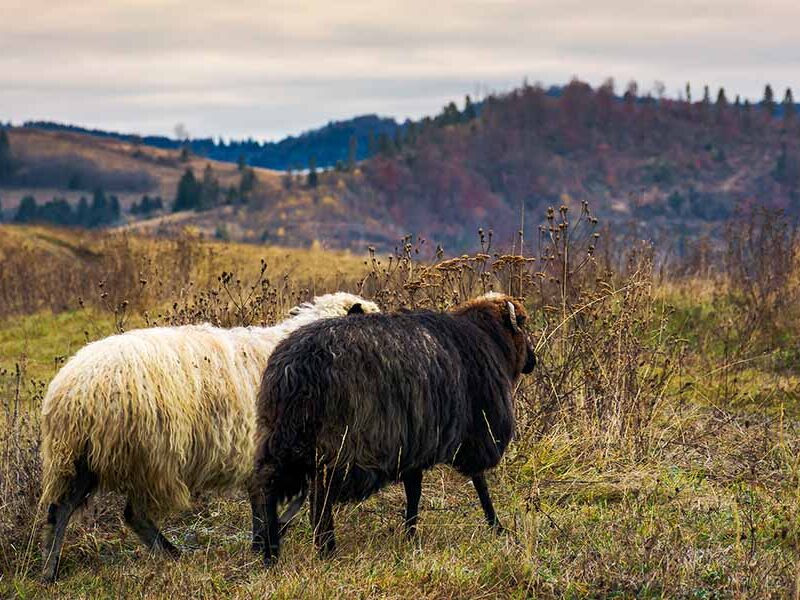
46, 268
656, 454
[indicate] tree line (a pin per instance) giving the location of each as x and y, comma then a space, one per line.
206, 192
103, 210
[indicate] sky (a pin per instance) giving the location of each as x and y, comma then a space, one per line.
271, 68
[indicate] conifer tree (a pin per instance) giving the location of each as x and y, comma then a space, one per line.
469, 109
247, 183
313, 177
99, 208
114, 211
231, 195
385, 145
188, 193
768, 103
6, 160
209, 189
789, 109
747, 116
27, 211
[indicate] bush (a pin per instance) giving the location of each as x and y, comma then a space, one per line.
761, 265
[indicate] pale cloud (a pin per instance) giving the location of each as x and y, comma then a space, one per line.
271, 68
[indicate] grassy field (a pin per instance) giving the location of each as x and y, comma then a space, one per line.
656, 452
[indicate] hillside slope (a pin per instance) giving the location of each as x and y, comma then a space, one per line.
649, 168
67, 164
667, 167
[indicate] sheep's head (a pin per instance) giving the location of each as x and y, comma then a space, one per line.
338, 304
513, 316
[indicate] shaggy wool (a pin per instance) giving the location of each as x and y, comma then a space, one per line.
374, 397
164, 413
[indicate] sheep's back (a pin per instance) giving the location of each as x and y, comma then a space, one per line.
388, 393
164, 411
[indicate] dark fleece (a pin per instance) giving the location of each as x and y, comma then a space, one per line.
371, 397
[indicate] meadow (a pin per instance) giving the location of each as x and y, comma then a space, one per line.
656, 453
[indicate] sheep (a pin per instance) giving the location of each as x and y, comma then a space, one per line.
350, 405
159, 415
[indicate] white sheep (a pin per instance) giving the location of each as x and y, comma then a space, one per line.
159, 415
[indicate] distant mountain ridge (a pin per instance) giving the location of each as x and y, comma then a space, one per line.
338, 141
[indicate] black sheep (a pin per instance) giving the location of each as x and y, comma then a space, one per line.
349, 405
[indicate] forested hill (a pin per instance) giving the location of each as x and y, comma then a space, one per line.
654, 167
665, 166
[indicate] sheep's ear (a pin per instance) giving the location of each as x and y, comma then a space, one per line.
512, 316
356, 309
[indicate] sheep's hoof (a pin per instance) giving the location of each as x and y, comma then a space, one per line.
48, 578
327, 550
167, 548
50, 570
270, 558
507, 534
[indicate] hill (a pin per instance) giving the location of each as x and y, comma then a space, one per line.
68, 164
667, 167
650, 168
47, 268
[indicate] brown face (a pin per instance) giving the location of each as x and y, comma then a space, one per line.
513, 316
530, 359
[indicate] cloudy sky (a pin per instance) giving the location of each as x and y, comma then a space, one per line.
269, 68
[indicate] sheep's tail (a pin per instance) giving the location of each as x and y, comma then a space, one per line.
286, 477
285, 448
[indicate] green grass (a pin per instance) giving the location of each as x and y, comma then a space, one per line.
711, 509
670, 534
40, 342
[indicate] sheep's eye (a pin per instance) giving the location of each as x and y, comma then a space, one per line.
521, 320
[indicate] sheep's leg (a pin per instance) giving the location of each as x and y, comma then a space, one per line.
143, 526
258, 507
272, 530
479, 481
79, 488
412, 482
322, 517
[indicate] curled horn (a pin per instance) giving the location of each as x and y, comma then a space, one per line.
512, 314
